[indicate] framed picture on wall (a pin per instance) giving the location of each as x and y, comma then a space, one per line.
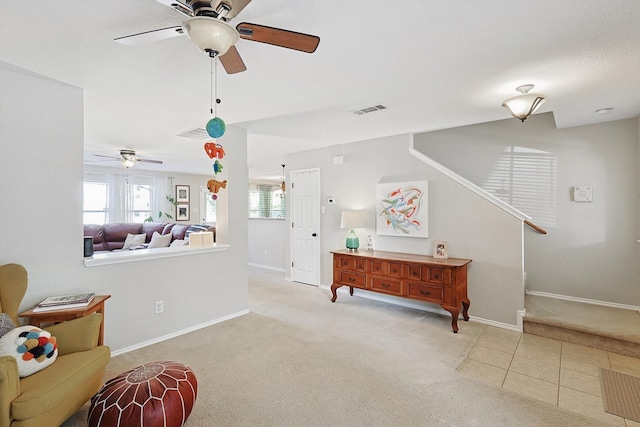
182, 212
182, 193
440, 250
402, 209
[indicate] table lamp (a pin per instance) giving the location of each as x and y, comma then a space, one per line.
351, 220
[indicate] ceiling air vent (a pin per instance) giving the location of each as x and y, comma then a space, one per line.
197, 133
369, 109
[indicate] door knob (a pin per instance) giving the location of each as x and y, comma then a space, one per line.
314, 234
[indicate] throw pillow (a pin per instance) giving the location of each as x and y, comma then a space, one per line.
176, 243
159, 240
6, 324
134, 240
33, 348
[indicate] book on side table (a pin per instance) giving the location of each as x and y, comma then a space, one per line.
64, 302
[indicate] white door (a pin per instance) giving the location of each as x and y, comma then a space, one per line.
207, 207
305, 226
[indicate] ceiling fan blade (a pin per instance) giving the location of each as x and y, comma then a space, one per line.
150, 36
157, 162
232, 62
108, 157
236, 6
278, 37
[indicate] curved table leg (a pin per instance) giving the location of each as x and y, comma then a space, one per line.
465, 308
351, 290
335, 286
455, 311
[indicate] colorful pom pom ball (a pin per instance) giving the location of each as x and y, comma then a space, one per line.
216, 127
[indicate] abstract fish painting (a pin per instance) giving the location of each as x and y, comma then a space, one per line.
402, 209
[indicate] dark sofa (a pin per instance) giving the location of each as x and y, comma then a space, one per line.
109, 237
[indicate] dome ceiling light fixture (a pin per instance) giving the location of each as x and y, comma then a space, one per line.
211, 35
523, 105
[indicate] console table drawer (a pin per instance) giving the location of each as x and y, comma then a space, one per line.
386, 268
426, 292
429, 274
386, 285
351, 263
350, 279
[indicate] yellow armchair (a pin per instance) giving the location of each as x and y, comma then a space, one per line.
49, 397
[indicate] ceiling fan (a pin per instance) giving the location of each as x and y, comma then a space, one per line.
128, 159
207, 26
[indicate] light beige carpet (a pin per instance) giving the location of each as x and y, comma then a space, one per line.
299, 360
620, 394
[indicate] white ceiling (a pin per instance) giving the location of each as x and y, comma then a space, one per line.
434, 63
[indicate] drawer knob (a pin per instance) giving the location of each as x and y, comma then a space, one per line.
423, 292
386, 285
437, 276
351, 279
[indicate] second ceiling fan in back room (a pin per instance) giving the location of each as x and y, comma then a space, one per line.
207, 26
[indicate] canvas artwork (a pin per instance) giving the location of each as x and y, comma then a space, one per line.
402, 209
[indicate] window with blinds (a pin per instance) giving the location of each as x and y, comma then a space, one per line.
527, 179
266, 201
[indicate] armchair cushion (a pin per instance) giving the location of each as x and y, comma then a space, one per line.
76, 335
33, 348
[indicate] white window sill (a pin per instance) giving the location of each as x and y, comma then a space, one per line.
119, 257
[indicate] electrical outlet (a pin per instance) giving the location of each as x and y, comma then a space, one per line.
159, 307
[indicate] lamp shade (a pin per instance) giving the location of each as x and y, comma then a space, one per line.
523, 105
351, 219
210, 35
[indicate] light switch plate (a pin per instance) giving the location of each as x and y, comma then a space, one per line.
582, 193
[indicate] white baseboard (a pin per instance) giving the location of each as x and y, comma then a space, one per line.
584, 300
403, 302
267, 267
178, 333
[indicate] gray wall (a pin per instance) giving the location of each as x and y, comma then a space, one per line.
473, 227
41, 175
267, 240
591, 249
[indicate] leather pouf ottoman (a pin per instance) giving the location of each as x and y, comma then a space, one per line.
154, 394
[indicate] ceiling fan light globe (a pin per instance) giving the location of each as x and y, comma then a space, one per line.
210, 34
127, 163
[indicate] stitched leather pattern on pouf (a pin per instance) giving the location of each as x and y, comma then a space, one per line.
154, 394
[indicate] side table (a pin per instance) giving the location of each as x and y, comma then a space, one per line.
56, 316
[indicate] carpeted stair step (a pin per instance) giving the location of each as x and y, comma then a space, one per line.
607, 328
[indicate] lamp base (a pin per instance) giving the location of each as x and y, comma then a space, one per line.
353, 243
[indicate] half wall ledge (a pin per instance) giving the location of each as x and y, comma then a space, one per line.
121, 257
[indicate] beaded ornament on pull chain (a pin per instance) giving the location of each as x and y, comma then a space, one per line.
215, 126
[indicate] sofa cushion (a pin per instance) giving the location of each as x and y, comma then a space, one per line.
97, 232
133, 240
179, 230
116, 234
176, 243
33, 348
159, 241
149, 228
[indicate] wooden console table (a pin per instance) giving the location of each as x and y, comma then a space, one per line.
39, 318
419, 277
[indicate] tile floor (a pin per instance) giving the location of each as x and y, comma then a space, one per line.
555, 372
